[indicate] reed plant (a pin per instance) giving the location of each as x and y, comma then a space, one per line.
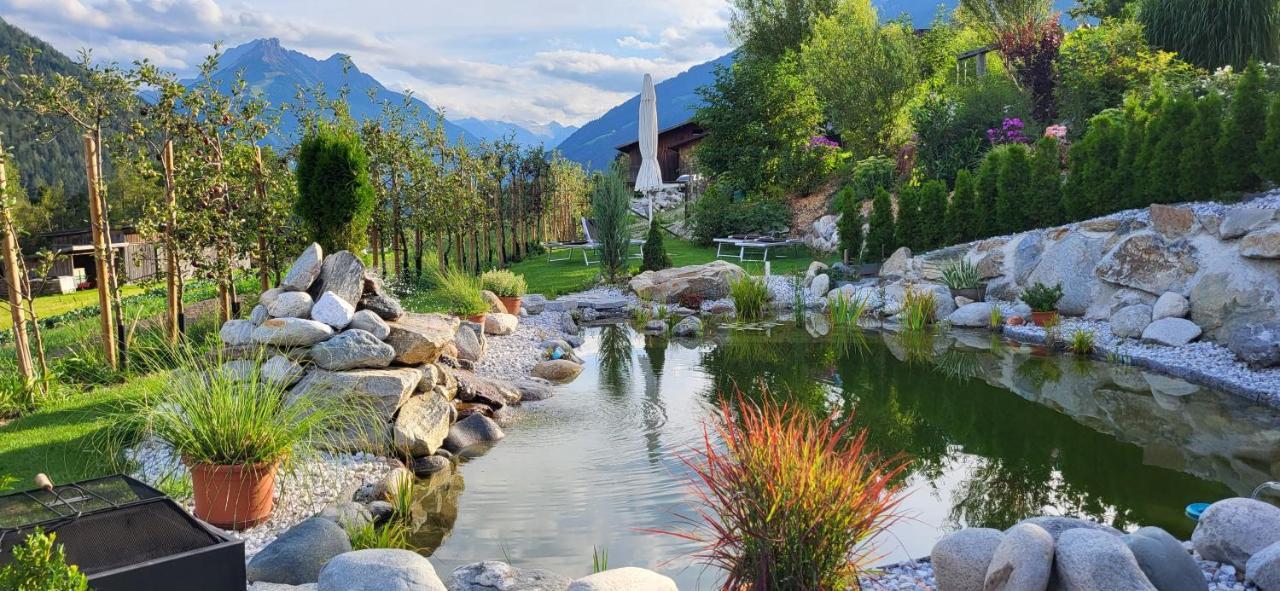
996, 318
846, 309
788, 500
918, 308
1082, 342
392, 534
750, 297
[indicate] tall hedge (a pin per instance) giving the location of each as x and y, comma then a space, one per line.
335, 194
1166, 139
1269, 148
880, 232
1094, 162
908, 228
1199, 167
986, 184
1013, 186
933, 213
963, 218
1241, 132
849, 206
1043, 205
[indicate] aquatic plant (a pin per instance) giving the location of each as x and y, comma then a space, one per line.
1082, 342
847, 309
750, 295
918, 308
392, 534
503, 283
958, 365
960, 274
599, 559
996, 319
789, 501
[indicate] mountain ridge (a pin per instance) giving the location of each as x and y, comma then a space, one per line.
548, 135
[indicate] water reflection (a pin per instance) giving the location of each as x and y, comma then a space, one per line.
997, 432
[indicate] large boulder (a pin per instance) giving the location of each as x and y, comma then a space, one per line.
333, 310
419, 338
533, 303
1257, 344
348, 514
379, 570
343, 274
688, 327
975, 315
1091, 560
477, 388
236, 333
291, 332
371, 323
498, 324
1069, 260
628, 578
960, 560
352, 349
281, 371
1241, 220
422, 425
1171, 332
1233, 530
297, 555
1022, 561
495, 305
557, 371
385, 306
473, 430
533, 389
1164, 561
492, 575
820, 286
381, 391
1263, 243
1263, 568
1170, 305
1225, 300
1172, 221
702, 282
291, 304
470, 341
1149, 262
304, 270
1129, 322
898, 265
1057, 525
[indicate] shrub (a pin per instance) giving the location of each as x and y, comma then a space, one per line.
881, 230
1013, 187
460, 292
750, 296
335, 194
918, 308
1214, 34
718, 213
987, 185
1042, 298
909, 227
847, 309
1269, 148
789, 501
871, 175
850, 225
503, 283
1198, 164
1167, 140
951, 130
960, 274
1043, 204
40, 565
933, 214
610, 209
960, 210
996, 319
655, 253
1242, 131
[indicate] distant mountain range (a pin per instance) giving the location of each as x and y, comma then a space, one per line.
548, 135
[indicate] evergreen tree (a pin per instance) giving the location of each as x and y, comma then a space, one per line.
963, 217
1269, 147
849, 206
1013, 188
880, 233
335, 193
1199, 168
1241, 133
1044, 207
908, 227
611, 210
933, 213
1124, 186
986, 185
1167, 136
655, 253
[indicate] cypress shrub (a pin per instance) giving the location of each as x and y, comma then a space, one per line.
1199, 167
335, 194
610, 209
1013, 187
1241, 133
1269, 148
986, 185
880, 232
1167, 134
849, 206
963, 217
910, 231
655, 253
932, 202
1044, 204
1126, 192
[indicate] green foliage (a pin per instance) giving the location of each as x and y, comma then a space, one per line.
1082, 342
1269, 148
335, 194
951, 128
393, 534
871, 175
1099, 9
1043, 204
933, 214
960, 274
1041, 297
918, 308
610, 209
1014, 186
1214, 34
881, 227
770, 29
909, 228
40, 565
1166, 142
1243, 129
655, 254
504, 283
1094, 163
459, 292
1198, 162
849, 227
846, 309
759, 116
863, 73
963, 219
996, 319
599, 559
986, 189
718, 214
750, 297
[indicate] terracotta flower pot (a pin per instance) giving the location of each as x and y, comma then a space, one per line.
512, 304
477, 318
234, 497
1044, 318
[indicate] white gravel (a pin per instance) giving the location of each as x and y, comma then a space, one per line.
513, 356
918, 576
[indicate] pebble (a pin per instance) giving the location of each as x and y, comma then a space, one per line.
918, 576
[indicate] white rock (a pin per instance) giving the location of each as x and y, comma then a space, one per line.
268, 297
304, 270
291, 304
1171, 305
500, 324
282, 371
371, 323
975, 315
627, 578
334, 311
237, 332
1171, 332
820, 286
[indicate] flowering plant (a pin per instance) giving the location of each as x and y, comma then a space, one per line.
1056, 131
822, 141
1010, 132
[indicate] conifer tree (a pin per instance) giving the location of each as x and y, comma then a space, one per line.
1125, 179
1199, 167
881, 231
1013, 186
1269, 148
933, 211
1243, 129
986, 184
908, 225
654, 251
1043, 207
963, 216
1167, 136
849, 206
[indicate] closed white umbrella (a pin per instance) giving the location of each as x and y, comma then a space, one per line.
649, 179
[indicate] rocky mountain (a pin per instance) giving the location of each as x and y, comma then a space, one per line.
277, 73
548, 135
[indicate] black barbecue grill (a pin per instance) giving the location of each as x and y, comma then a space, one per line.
125, 536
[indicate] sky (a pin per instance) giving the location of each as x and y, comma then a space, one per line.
524, 61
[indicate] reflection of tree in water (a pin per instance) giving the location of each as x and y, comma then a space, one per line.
784, 362
655, 412
615, 359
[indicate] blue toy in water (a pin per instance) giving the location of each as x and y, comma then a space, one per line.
1195, 510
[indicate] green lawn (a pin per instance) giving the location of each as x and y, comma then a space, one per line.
52, 305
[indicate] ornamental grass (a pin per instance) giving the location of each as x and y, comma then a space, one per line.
786, 500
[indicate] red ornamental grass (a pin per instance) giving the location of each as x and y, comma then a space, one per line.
789, 501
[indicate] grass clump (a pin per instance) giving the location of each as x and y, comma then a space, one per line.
846, 309
459, 292
789, 501
996, 319
504, 283
960, 274
1082, 342
750, 297
918, 308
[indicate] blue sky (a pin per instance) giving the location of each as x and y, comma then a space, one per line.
527, 61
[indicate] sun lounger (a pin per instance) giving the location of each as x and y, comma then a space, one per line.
584, 246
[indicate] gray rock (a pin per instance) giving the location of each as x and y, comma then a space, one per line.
343, 274
269, 296
567, 325
1092, 560
897, 265
1131, 321
385, 306
1166, 563
422, 424
291, 304
1149, 262
975, 315
1263, 243
1070, 261
352, 349
533, 389
533, 303
1263, 568
470, 341
384, 391
239, 370
279, 587
1167, 386
1056, 525
281, 370
557, 371
820, 286
304, 270
627, 578
1241, 220
297, 555
655, 326
237, 332
259, 314
1171, 305
1022, 562
473, 430
333, 310
379, 570
1256, 344
1171, 332
704, 282
371, 323
476, 388
500, 324
381, 511
349, 514
1233, 530
492, 575
420, 338
424, 467
291, 332
1226, 300
688, 327
960, 560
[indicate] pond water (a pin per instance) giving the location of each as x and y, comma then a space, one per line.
997, 432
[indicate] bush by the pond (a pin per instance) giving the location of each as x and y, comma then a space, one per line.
790, 501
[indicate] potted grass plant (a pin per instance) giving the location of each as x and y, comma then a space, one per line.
508, 286
1043, 301
460, 292
962, 279
235, 430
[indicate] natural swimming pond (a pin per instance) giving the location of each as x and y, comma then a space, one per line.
998, 431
